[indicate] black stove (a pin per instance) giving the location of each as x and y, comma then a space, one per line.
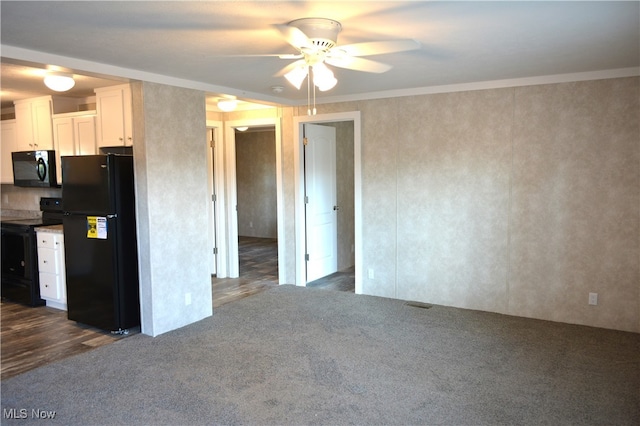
20, 281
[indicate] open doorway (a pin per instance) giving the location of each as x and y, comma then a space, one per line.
348, 128
250, 219
257, 212
329, 205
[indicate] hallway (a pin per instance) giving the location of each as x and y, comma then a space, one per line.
258, 259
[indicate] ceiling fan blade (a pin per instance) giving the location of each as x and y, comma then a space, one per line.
290, 67
291, 56
294, 36
358, 64
379, 47
265, 55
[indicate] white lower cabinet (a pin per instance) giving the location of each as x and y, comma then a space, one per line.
53, 285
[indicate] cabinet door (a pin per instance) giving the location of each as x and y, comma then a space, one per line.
64, 141
42, 127
127, 113
111, 121
24, 127
46, 240
7, 146
85, 135
34, 129
48, 261
50, 286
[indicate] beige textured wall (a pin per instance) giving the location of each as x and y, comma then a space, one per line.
575, 203
453, 154
25, 199
170, 154
518, 201
256, 184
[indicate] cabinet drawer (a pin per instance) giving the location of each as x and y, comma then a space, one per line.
50, 286
50, 240
49, 261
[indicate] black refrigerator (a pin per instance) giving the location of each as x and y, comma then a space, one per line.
100, 245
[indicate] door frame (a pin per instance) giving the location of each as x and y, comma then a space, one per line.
300, 221
217, 218
231, 199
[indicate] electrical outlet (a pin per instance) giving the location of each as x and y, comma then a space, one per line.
593, 298
250, 224
371, 274
187, 299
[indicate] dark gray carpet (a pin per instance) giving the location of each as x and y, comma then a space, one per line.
306, 356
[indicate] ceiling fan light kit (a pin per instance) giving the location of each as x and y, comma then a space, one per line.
316, 40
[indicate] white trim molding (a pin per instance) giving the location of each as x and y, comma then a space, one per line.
298, 122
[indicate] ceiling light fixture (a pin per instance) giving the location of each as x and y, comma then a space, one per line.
58, 81
297, 75
227, 105
321, 75
323, 78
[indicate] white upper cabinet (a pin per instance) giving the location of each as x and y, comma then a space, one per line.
113, 105
7, 146
74, 134
63, 136
34, 125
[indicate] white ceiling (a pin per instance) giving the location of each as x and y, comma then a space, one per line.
200, 44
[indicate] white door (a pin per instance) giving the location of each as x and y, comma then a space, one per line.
320, 198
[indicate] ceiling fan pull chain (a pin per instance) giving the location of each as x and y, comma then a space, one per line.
314, 99
308, 91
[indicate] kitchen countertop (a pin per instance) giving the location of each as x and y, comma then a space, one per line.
7, 214
54, 229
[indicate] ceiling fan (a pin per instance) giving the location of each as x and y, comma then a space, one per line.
316, 42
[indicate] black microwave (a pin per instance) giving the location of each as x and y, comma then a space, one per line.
34, 169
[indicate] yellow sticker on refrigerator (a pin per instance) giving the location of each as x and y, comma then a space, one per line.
97, 227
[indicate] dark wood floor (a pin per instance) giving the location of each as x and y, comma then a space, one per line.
258, 258
344, 280
32, 337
